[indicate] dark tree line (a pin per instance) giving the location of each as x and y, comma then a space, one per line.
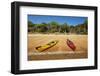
55, 27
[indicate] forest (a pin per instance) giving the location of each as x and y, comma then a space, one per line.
57, 28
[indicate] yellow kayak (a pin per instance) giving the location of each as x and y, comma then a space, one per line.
46, 46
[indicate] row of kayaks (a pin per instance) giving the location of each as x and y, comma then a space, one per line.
53, 43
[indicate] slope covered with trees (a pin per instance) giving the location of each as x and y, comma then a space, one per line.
55, 27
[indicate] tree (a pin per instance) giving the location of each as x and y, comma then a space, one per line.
53, 26
82, 28
54, 23
65, 28
30, 24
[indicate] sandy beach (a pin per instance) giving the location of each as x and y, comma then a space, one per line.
60, 50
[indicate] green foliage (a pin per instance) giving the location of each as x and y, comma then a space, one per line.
55, 27
53, 23
65, 28
30, 24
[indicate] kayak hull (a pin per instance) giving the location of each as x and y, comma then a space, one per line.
46, 46
71, 44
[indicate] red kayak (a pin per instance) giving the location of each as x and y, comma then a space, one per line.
71, 44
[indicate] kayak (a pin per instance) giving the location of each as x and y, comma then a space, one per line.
71, 44
46, 46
